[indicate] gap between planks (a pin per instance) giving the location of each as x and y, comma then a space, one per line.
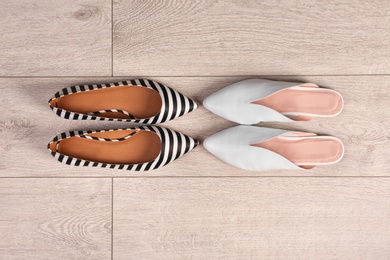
198, 76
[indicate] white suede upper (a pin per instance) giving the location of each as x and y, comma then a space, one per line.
234, 101
233, 146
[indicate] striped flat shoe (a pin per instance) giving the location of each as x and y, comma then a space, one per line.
141, 148
139, 101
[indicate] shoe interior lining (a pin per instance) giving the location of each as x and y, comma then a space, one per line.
144, 146
138, 101
318, 101
306, 151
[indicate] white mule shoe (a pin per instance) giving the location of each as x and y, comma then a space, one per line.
258, 100
264, 149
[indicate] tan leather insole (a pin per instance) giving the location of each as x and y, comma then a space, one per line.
306, 151
140, 102
318, 102
144, 146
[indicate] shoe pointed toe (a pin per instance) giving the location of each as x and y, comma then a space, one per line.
180, 105
192, 105
216, 145
223, 104
190, 144
213, 104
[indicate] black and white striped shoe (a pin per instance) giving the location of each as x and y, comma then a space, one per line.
139, 101
140, 148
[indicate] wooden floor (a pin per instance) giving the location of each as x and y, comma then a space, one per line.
197, 207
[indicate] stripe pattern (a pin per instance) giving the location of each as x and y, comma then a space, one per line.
174, 104
108, 139
112, 111
173, 146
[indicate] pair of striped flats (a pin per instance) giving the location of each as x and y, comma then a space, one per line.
141, 148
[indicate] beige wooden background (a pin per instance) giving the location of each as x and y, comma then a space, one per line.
197, 207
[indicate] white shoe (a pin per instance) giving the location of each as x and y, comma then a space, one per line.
264, 149
258, 100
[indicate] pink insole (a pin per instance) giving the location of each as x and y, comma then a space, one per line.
306, 150
304, 100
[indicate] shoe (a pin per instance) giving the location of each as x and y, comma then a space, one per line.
264, 149
258, 100
138, 101
141, 148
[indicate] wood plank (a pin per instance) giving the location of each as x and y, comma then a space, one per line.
27, 125
194, 38
55, 218
251, 218
55, 38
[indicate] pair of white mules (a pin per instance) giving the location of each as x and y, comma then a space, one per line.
257, 148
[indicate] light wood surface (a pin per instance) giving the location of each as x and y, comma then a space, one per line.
197, 207
53, 37
252, 218
55, 218
29, 125
251, 37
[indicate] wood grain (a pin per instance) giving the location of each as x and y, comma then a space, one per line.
196, 38
55, 218
252, 218
27, 125
52, 210
53, 38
